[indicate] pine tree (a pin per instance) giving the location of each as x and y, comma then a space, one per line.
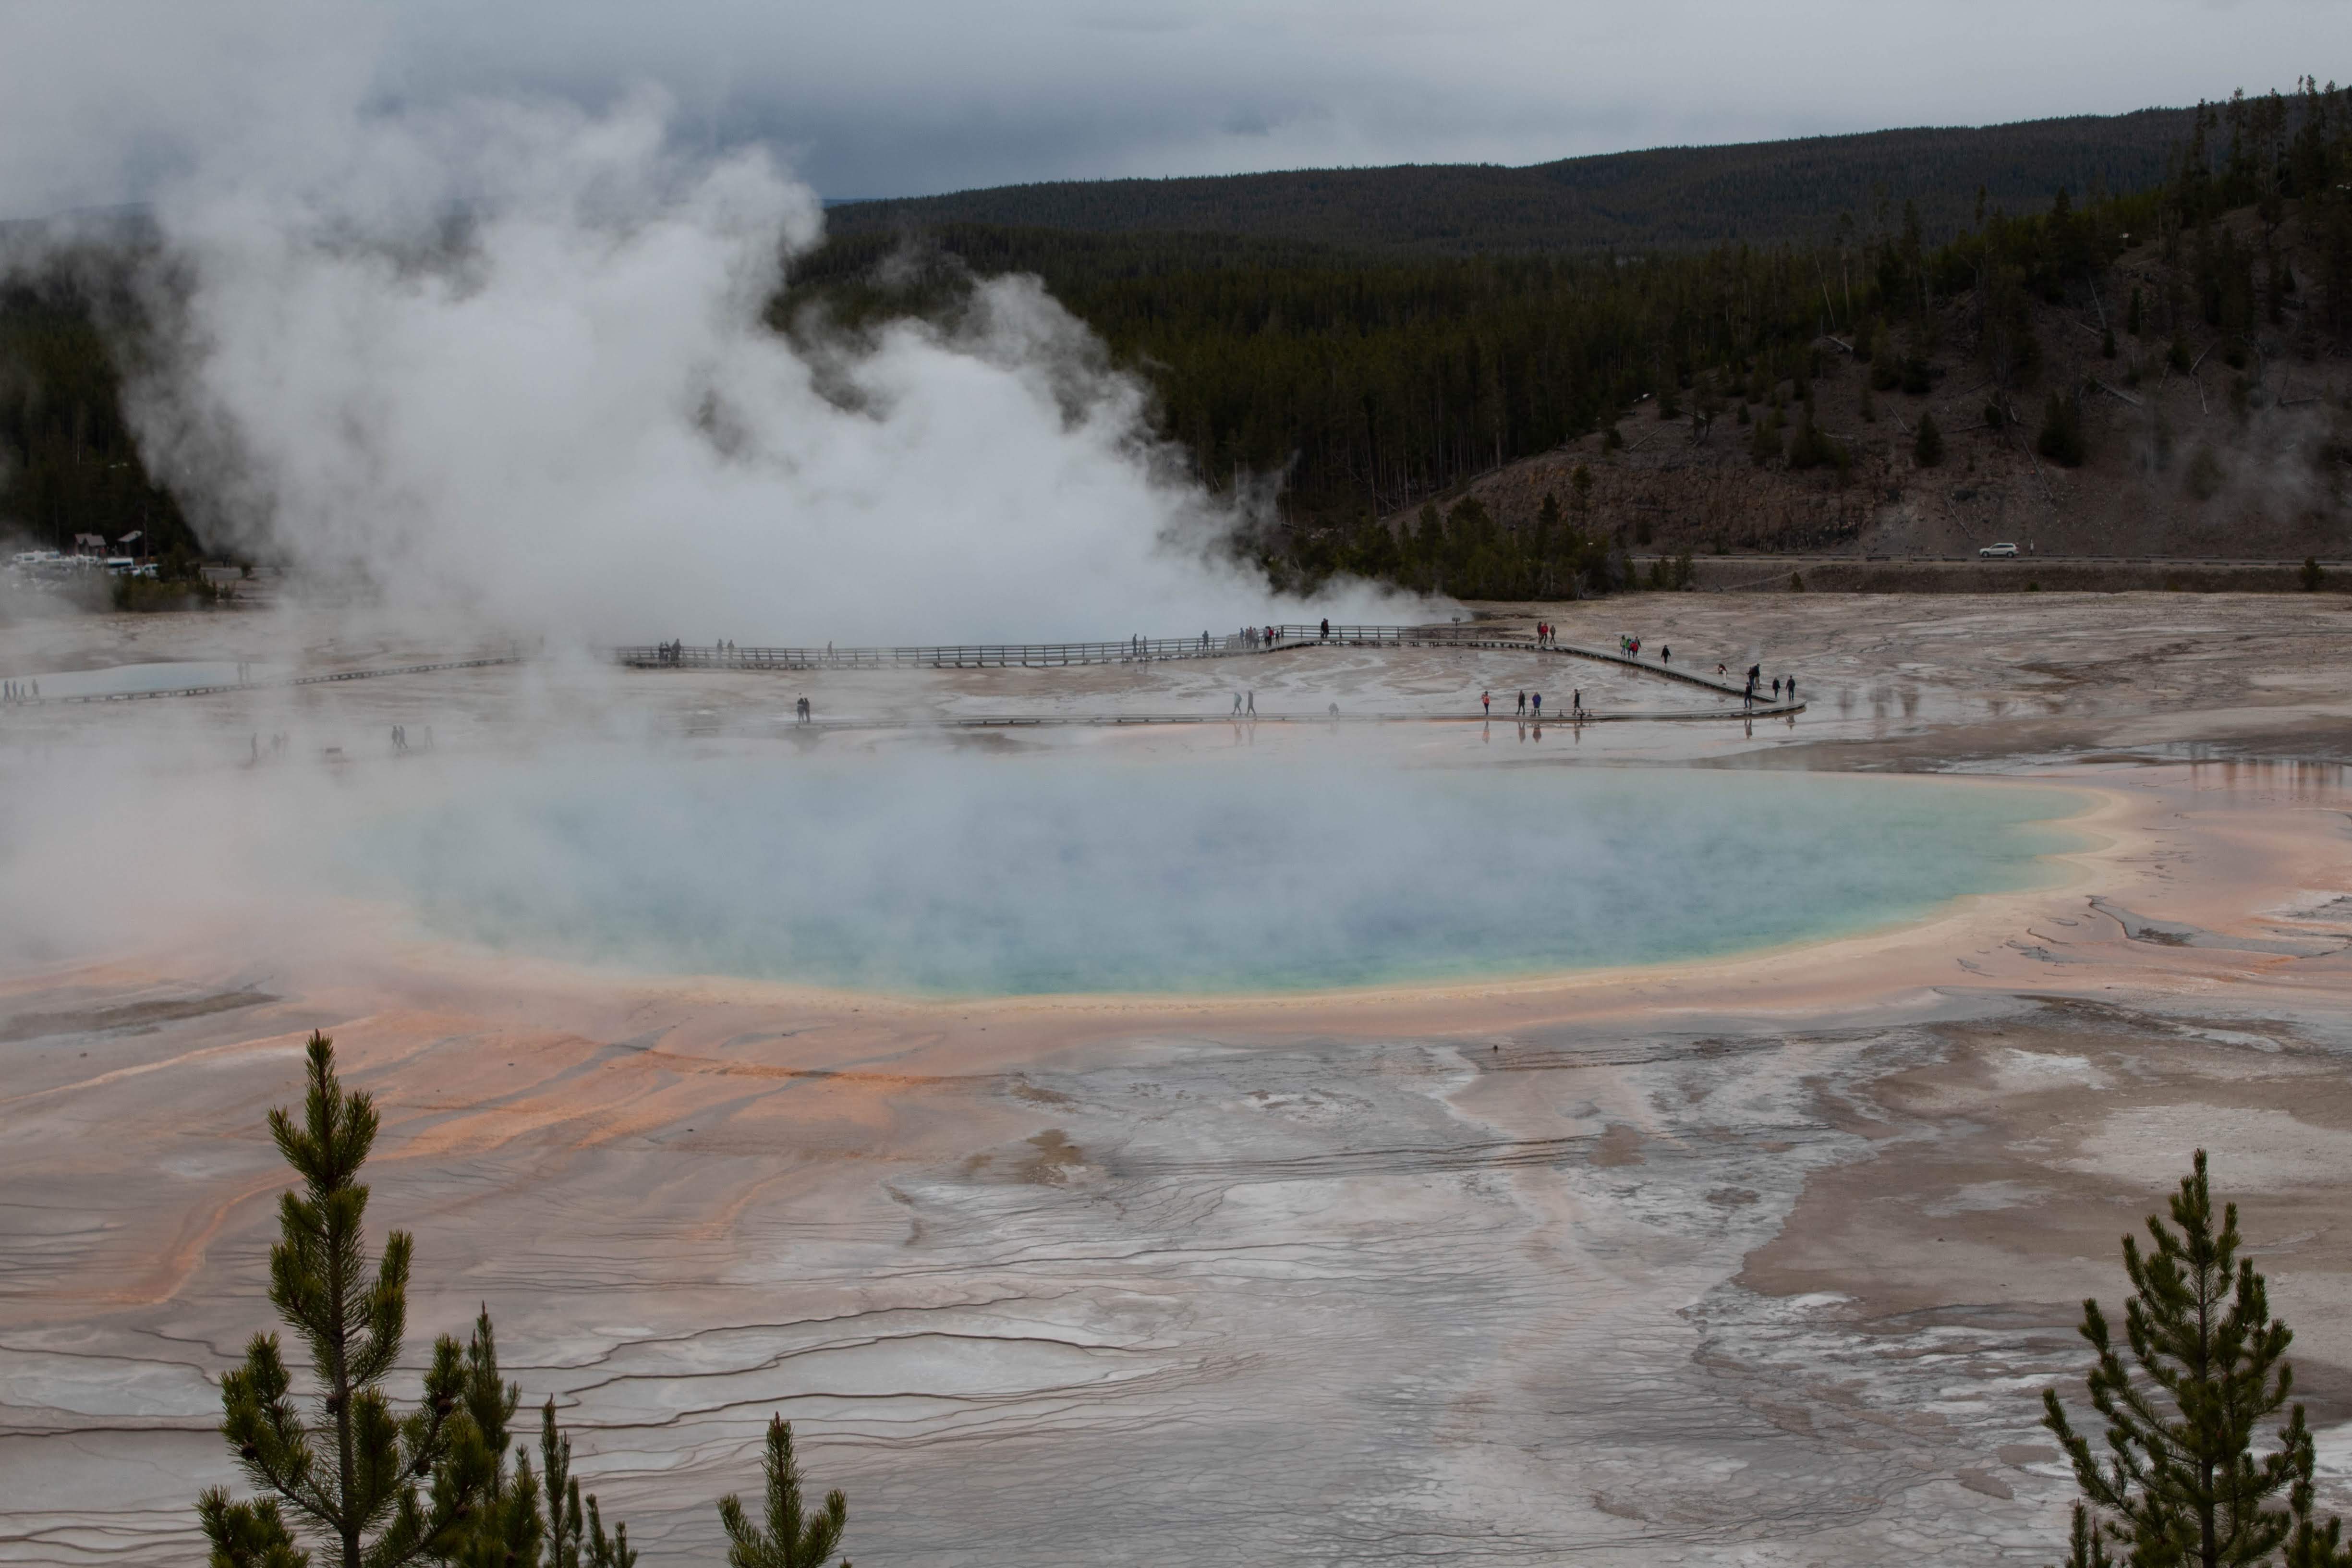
1927, 447
795, 1538
2061, 439
574, 1540
350, 1470
2181, 1482
357, 1478
506, 1527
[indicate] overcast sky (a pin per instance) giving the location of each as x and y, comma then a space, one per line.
867, 98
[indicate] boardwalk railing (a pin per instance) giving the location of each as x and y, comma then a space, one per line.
1141, 650
1035, 656
279, 683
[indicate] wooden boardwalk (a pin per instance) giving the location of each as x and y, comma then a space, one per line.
1150, 650
1120, 720
279, 684
1049, 656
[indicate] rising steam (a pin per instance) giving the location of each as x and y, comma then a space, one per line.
514, 360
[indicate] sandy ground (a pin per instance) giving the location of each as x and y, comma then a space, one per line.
1760, 1261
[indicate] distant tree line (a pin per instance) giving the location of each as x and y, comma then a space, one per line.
68, 465
1375, 382
1665, 198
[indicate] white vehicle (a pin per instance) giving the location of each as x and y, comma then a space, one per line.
1999, 552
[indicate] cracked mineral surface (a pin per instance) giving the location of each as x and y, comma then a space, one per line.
1760, 1259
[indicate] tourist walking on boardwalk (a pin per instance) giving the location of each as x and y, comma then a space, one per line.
1326, 628
1486, 700
1666, 654
1539, 707
1575, 701
1252, 710
1237, 704
1793, 688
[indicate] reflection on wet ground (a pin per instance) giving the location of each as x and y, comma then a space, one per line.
1765, 1268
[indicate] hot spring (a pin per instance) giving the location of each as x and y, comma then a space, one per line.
950, 874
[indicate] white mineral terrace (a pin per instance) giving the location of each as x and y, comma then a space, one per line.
1760, 1259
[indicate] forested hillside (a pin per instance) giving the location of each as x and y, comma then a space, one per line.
68, 464
1375, 382
1670, 197
2164, 366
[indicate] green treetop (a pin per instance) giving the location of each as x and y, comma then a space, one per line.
2180, 1481
377, 1487
1927, 446
796, 1537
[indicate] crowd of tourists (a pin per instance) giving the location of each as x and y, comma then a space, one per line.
1531, 704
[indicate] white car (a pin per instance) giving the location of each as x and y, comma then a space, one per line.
1999, 552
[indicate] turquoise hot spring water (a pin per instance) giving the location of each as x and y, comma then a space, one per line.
951, 874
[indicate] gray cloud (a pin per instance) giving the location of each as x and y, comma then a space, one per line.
100, 98
906, 96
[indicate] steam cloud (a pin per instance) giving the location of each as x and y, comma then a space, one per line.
510, 358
